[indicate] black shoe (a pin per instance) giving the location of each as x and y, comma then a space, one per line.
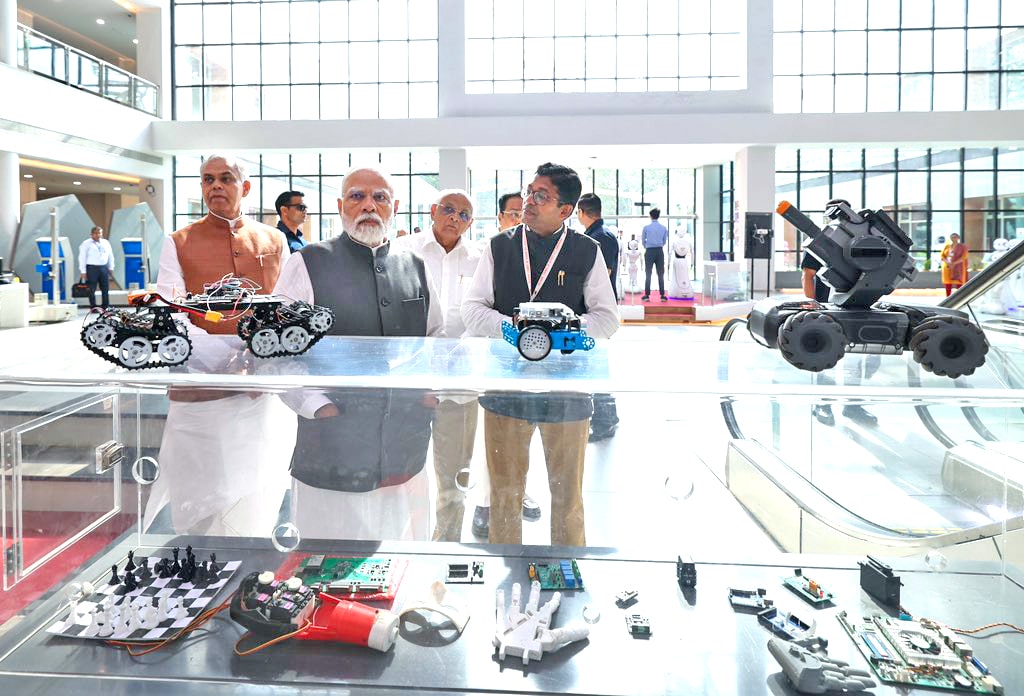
596, 435
860, 414
664, 298
482, 522
824, 414
531, 510
645, 298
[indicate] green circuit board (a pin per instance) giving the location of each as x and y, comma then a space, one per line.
919, 653
348, 577
810, 590
562, 575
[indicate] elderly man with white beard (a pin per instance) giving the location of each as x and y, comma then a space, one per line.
358, 464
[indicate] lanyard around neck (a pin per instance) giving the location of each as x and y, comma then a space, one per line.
547, 269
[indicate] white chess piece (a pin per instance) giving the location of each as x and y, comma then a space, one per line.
132, 623
147, 617
176, 609
161, 608
105, 625
117, 618
93, 627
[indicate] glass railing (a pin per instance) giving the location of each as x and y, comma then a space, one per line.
49, 57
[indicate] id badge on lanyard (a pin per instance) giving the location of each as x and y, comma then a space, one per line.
534, 291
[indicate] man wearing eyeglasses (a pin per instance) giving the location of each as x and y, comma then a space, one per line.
358, 464
510, 210
292, 211
451, 258
540, 260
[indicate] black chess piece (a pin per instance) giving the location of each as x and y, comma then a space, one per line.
176, 566
163, 568
199, 576
214, 568
130, 565
145, 573
189, 556
129, 581
114, 580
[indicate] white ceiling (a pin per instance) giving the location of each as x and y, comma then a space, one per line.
74, 22
600, 157
58, 183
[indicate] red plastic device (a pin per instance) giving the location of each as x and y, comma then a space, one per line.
344, 621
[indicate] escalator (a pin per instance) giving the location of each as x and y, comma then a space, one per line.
923, 475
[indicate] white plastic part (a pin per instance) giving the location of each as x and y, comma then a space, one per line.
265, 578
291, 583
384, 632
525, 633
440, 600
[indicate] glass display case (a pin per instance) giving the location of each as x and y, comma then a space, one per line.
430, 459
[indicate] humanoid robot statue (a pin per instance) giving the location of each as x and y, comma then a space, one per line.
1008, 296
863, 256
680, 286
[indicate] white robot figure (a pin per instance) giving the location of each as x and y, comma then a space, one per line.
1007, 296
633, 263
682, 251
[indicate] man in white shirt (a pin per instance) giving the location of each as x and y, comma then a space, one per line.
358, 465
96, 264
544, 261
451, 258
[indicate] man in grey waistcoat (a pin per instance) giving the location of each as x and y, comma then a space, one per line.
358, 464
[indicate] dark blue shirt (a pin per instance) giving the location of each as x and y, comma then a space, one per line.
295, 240
609, 246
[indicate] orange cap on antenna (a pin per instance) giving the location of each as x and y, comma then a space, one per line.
783, 207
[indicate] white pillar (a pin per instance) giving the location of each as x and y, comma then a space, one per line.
451, 57
754, 192
452, 172
707, 235
152, 55
9, 32
10, 204
760, 50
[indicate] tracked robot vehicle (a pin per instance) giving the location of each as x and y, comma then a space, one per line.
863, 256
148, 335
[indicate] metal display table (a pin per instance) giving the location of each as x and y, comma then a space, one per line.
698, 644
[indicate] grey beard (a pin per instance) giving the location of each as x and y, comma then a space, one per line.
367, 234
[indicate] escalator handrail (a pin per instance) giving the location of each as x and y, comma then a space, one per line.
986, 279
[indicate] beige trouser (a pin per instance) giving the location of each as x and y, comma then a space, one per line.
508, 459
454, 431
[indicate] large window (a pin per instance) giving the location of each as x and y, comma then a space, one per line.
627, 196
889, 55
305, 59
605, 45
318, 176
976, 193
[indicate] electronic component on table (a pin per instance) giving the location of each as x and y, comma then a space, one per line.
465, 573
563, 575
749, 600
785, 624
878, 580
274, 608
811, 671
919, 654
626, 598
351, 578
809, 589
639, 626
686, 572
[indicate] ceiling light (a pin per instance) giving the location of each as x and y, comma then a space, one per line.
117, 188
41, 188
101, 21
77, 183
135, 41
28, 176
83, 171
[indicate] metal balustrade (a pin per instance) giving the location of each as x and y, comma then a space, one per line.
51, 58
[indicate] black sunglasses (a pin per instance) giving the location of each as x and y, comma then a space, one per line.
301, 206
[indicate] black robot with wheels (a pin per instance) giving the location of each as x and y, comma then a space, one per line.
863, 256
148, 335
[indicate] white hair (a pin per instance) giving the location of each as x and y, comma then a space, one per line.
454, 192
374, 170
232, 161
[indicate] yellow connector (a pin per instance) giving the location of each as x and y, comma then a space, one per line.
213, 316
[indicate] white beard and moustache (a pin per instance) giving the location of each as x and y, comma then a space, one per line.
360, 229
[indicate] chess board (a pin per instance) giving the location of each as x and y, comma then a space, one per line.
194, 598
